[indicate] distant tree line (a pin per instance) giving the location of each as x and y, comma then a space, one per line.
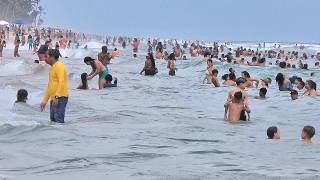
28, 10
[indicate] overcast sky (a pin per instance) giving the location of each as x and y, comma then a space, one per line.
238, 20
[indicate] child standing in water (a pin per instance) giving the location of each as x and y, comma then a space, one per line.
171, 65
235, 108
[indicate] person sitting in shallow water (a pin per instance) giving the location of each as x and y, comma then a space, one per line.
273, 132
109, 82
84, 82
307, 133
236, 109
22, 96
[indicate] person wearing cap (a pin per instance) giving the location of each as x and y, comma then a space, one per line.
97, 69
57, 89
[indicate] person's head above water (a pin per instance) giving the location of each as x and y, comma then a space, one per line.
225, 77
308, 132
311, 85
294, 95
283, 64
280, 79
262, 60
245, 74
22, 96
231, 70
232, 76
263, 92
108, 78
273, 133
241, 82
84, 81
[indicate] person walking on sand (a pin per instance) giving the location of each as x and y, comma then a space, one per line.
57, 89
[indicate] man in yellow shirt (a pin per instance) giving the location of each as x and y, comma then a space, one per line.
57, 90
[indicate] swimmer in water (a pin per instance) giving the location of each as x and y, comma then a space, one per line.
294, 95
283, 83
214, 78
97, 69
171, 65
311, 89
273, 132
235, 108
149, 68
109, 83
262, 93
22, 96
115, 53
229, 79
250, 81
210, 68
84, 82
307, 134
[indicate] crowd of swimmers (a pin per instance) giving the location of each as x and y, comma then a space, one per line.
237, 104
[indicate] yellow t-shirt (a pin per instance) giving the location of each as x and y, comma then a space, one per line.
58, 82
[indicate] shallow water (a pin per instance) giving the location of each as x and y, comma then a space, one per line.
151, 127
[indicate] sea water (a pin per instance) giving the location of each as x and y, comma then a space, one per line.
157, 127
